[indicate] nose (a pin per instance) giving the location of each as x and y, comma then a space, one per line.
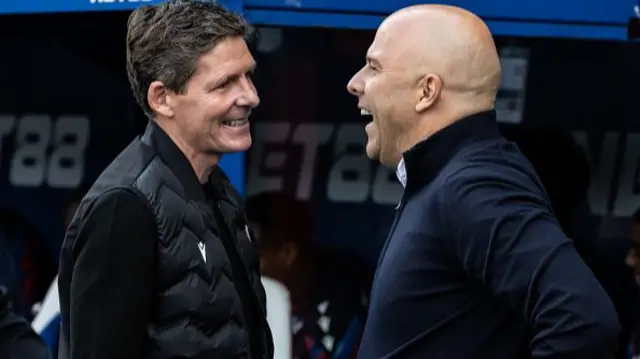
355, 85
249, 96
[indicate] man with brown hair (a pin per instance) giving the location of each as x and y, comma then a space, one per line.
157, 261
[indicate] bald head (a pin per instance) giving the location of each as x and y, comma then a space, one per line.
447, 41
428, 66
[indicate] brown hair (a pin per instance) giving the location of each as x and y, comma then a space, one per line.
165, 41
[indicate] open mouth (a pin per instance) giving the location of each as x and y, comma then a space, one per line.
236, 123
364, 112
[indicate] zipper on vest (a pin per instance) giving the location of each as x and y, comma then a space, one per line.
248, 301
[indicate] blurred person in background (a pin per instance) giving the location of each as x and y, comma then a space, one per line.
632, 260
329, 288
156, 262
563, 168
26, 264
475, 265
17, 339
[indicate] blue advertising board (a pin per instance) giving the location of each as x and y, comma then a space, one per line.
592, 19
39, 6
589, 19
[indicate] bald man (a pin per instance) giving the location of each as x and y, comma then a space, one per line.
475, 265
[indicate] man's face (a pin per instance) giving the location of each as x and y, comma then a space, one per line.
386, 91
633, 256
213, 112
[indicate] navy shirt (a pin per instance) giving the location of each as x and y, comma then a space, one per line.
476, 265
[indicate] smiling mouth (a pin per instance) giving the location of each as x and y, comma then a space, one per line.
235, 123
364, 112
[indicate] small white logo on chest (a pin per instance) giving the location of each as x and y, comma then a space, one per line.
203, 251
247, 232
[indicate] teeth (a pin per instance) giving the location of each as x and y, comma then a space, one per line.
364, 112
236, 123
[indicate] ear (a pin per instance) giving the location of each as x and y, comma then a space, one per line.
159, 99
429, 89
288, 254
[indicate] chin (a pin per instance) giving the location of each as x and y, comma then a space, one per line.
238, 146
373, 155
372, 152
